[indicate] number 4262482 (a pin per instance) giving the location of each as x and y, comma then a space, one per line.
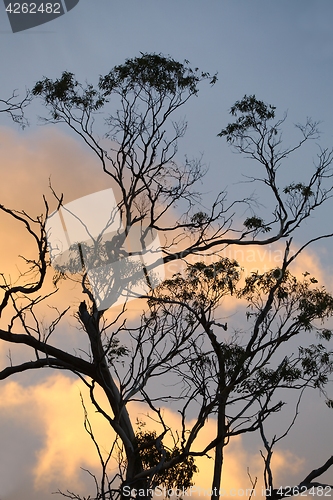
33, 8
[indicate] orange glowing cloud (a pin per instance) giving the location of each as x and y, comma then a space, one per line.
54, 408
32, 158
66, 447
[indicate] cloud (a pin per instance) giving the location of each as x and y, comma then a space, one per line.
51, 413
264, 258
48, 416
29, 161
61, 446
286, 465
66, 447
31, 158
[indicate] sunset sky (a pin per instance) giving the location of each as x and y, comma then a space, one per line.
280, 51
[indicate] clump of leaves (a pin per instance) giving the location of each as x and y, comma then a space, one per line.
203, 283
199, 218
317, 363
315, 304
154, 453
298, 188
149, 73
257, 224
154, 71
67, 92
310, 303
253, 114
286, 374
115, 351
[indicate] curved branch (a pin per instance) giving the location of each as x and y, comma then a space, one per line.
58, 356
31, 365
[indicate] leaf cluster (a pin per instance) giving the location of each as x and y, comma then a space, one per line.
154, 72
254, 114
67, 92
300, 188
256, 223
180, 476
203, 284
149, 72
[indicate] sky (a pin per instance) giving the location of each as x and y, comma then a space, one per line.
280, 51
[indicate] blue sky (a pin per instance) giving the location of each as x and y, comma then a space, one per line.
281, 51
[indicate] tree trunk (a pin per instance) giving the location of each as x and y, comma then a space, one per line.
121, 422
218, 463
